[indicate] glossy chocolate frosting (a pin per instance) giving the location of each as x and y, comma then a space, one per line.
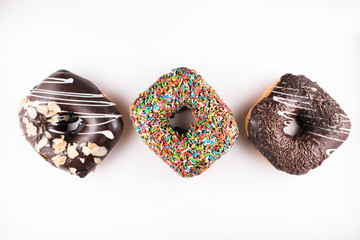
324, 125
70, 123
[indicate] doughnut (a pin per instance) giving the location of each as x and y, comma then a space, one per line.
190, 152
70, 123
323, 125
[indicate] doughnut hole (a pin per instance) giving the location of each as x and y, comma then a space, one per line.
71, 125
294, 128
181, 120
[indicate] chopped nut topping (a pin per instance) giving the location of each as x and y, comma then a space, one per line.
31, 112
94, 149
59, 160
99, 151
42, 143
72, 170
87, 151
92, 145
71, 151
49, 110
42, 109
54, 119
59, 144
27, 104
25, 120
83, 144
54, 107
48, 135
97, 160
22, 102
82, 160
31, 130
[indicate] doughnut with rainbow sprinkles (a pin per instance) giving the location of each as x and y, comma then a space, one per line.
212, 134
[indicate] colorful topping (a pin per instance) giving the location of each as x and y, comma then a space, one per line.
211, 136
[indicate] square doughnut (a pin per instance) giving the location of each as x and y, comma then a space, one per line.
70, 122
211, 135
323, 125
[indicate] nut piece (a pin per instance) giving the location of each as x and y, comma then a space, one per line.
54, 107
54, 119
99, 151
59, 160
71, 151
72, 170
48, 135
22, 103
87, 151
82, 160
42, 143
49, 110
31, 130
94, 149
59, 144
83, 144
92, 145
97, 160
25, 120
42, 109
31, 112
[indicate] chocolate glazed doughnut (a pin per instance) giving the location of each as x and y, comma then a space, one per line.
70, 123
324, 126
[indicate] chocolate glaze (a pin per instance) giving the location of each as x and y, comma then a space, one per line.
324, 125
59, 101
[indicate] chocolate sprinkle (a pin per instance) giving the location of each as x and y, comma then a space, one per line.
324, 125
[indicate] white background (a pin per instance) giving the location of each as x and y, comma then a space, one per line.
240, 48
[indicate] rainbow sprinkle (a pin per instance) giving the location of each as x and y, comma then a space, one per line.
211, 135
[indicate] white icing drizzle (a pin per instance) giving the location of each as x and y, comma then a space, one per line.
75, 102
330, 151
288, 94
287, 88
335, 139
294, 89
343, 115
282, 113
284, 101
69, 94
72, 104
290, 115
59, 80
332, 130
345, 129
101, 123
106, 133
97, 115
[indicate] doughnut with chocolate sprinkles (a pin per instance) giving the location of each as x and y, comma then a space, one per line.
70, 123
324, 126
212, 134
